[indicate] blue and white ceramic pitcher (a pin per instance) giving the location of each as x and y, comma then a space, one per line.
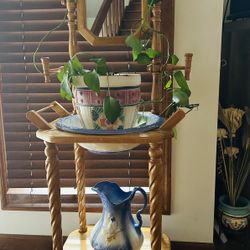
116, 229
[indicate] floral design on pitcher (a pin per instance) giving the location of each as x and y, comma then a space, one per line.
116, 229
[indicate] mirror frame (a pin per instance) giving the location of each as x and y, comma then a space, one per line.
91, 37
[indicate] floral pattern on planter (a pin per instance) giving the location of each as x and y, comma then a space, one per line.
93, 117
126, 96
234, 223
100, 121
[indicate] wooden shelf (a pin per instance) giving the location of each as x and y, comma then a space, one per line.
78, 241
61, 137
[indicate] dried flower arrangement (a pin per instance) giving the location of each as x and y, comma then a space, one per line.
233, 151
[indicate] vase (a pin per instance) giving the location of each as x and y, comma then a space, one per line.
117, 229
234, 217
123, 87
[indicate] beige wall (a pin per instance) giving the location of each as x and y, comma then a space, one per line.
198, 30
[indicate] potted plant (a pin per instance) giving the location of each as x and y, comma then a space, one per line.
105, 100
105, 109
233, 165
102, 99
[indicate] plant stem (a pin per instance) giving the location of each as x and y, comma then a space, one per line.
232, 171
165, 110
243, 173
224, 164
43, 39
109, 93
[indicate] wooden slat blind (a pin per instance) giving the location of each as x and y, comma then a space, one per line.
22, 24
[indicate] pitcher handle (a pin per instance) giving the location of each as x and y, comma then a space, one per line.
138, 214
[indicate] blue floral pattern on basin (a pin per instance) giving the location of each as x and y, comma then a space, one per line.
73, 124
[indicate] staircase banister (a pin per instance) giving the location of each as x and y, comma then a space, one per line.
102, 14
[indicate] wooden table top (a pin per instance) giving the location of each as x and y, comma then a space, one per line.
60, 137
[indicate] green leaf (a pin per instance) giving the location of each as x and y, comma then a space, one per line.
101, 66
135, 54
174, 131
91, 79
181, 81
180, 97
64, 70
60, 75
174, 59
168, 84
76, 80
152, 53
134, 43
143, 58
111, 108
171, 110
76, 63
142, 120
65, 95
152, 2
65, 90
75, 66
136, 46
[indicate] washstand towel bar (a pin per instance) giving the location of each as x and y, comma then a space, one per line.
41, 123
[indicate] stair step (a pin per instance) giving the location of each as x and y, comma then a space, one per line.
87, 47
125, 32
131, 19
110, 56
130, 23
132, 14
134, 6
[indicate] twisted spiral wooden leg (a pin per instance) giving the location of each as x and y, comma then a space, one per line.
53, 180
80, 184
155, 193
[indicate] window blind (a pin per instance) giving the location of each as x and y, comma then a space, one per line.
22, 25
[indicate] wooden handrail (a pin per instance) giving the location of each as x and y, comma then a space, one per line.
101, 16
109, 17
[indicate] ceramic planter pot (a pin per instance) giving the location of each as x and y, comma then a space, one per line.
234, 218
125, 88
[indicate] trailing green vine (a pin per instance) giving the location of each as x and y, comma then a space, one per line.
144, 54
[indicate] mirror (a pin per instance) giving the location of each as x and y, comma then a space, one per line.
100, 21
